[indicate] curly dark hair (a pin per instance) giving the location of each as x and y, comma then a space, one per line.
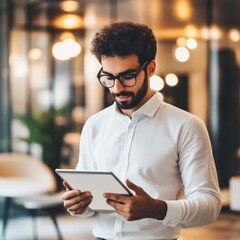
123, 39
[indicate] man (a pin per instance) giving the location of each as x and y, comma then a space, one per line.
154, 147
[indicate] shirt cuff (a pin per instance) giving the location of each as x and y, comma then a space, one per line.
174, 213
88, 213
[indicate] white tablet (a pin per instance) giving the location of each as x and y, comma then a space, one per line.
97, 182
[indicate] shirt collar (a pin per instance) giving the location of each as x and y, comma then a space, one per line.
149, 108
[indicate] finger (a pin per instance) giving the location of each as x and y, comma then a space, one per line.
77, 199
121, 209
138, 190
66, 185
74, 193
116, 205
80, 207
115, 197
70, 194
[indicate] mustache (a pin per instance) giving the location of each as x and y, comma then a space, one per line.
123, 93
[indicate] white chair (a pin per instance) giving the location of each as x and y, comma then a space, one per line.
234, 193
27, 181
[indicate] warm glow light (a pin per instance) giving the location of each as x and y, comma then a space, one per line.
44, 99
77, 114
191, 31
72, 47
156, 83
69, 6
238, 152
71, 138
35, 54
191, 43
205, 33
181, 41
19, 66
182, 54
66, 35
234, 35
183, 9
171, 79
215, 33
66, 49
90, 20
68, 21
59, 52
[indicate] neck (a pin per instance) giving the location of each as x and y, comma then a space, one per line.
129, 112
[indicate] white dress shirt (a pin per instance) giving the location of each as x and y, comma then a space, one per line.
160, 149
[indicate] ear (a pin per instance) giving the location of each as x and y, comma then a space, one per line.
151, 68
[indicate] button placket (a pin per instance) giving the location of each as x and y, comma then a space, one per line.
131, 131
125, 163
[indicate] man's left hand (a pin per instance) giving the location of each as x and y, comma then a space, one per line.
139, 206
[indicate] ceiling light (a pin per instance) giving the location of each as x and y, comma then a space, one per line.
69, 6
183, 9
68, 21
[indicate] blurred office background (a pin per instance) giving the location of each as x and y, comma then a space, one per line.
48, 84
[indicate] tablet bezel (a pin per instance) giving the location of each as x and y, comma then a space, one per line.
93, 179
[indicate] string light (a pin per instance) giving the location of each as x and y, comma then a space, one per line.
156, 83
182, 54
191, 43
234, 35
66, 49
171, 79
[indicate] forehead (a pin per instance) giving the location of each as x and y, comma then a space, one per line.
117, 64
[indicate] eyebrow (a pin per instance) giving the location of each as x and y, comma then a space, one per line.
121, 73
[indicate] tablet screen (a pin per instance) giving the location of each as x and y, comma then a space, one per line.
97, 182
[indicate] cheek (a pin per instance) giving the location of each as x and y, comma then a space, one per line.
140, 82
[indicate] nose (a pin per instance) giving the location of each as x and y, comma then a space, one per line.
118, 87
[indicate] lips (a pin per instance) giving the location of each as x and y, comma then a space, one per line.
123, 98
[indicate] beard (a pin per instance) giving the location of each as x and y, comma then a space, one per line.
135, 98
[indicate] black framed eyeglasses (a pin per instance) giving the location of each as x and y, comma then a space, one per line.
126, 79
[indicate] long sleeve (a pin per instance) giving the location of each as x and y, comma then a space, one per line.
202, 201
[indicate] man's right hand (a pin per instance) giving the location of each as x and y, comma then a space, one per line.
74, 200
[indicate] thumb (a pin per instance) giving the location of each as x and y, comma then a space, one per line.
66, 185
138, 190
